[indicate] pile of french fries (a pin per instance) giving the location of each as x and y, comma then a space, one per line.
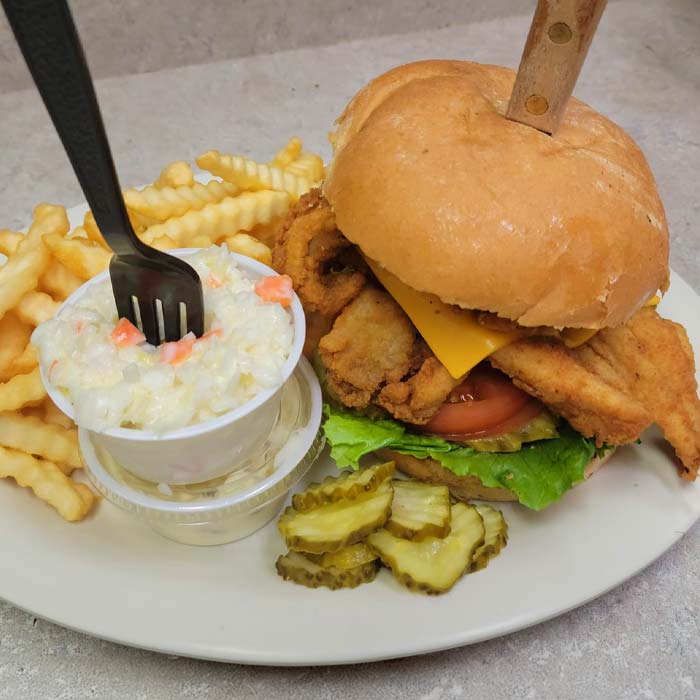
38, 443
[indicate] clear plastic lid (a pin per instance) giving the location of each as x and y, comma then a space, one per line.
284, 457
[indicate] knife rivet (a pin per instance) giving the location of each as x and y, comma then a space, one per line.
536, 104
559, 33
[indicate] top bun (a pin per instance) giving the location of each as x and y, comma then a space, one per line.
431, 181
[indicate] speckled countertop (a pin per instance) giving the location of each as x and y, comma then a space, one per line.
642, 640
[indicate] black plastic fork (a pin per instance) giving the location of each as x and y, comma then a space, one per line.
157, 292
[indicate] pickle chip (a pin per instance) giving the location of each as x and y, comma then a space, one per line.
331, 527
294, 566
419, 510
346, 558
495, 536
434, 565
347, 486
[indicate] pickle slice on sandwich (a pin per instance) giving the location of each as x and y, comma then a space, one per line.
435, 564
419, 510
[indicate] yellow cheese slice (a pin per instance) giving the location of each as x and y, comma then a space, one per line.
458, 340
453, 334
573, 337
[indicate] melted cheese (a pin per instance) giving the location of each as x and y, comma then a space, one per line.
453, 334
458, 340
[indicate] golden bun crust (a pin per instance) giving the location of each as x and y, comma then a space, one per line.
430, 180
463, 488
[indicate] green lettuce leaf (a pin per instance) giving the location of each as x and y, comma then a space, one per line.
539, 473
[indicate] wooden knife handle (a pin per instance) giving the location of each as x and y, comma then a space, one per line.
556, 47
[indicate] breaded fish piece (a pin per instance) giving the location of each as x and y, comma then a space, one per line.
615, 385
547, 370
651, 359
417, 399
373, 354
372, 343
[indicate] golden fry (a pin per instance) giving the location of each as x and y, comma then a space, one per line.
35, 308
51, 413
72, 500
166, 202
243, 244
163, 243
287, 155
20, 274
59, 281
249, 175
77, 232
223, 218
308, 165
9, 240
33, 436
83, 258
26, 362
22, 390
267, 233
14, 336
93, 232
177, 174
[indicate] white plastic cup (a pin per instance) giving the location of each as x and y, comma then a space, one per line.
205, 450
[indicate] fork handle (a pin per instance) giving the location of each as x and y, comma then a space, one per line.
46, 34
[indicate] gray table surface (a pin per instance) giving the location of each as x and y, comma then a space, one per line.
642, 640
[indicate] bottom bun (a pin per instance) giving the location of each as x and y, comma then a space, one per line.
464, 488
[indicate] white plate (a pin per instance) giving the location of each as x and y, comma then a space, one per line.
112, 577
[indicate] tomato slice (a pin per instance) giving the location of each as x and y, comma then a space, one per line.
528, 412
480, 405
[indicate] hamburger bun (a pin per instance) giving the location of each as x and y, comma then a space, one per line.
463, 488
431, 181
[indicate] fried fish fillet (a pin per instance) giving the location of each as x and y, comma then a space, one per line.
373, 354
651, 359
548, 371
619, 382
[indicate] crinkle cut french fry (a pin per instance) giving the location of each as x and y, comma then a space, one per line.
59, 281
83, 258
177, 174
20, 274
243, 244
166, 202
309, 165
26, 362
33, 436
9, 240
228, 216
164, 243
72, 500
21, 390
35, 308
51, 413
14, 336
250, 175
77, 232
287, 155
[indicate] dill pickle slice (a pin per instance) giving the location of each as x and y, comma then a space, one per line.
346, 486
419, 510
294, 566
434, 565
346, 558
495, 536
336, 525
